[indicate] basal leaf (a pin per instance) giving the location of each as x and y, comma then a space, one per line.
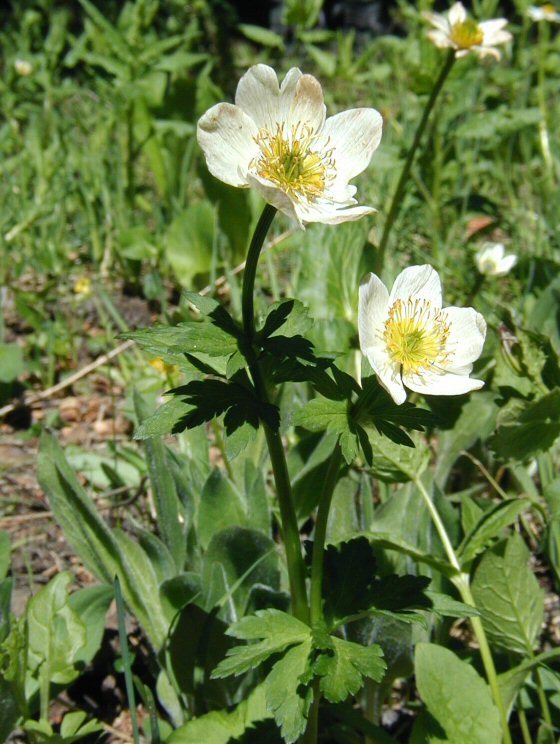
456, 696
56, 632
509, 597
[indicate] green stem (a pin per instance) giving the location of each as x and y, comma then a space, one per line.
257, 241
320, 534
317, 564
462, 582
290, 530
397, 197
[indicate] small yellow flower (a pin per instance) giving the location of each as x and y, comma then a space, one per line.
162, 366
457, 31
83, 286
277, 140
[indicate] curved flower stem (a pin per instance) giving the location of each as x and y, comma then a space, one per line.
397, 197
462, 582
290, 531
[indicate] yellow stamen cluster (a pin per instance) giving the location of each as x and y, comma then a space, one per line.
548, 8
467, 34
416, 335
291, 160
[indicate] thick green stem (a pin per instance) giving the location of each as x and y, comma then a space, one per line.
397, 197
257, 241
290, 531
320, 534
317, 563
462, 582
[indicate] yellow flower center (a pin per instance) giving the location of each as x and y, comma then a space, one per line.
292, 161
548, 8
467, 34
416, 335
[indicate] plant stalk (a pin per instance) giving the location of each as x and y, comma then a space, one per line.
290, 530
317, 562
397, 197
462, 582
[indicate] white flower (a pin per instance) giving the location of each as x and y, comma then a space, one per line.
23, 67
409, 339
276, 140
457, 31
492, 261
543, 13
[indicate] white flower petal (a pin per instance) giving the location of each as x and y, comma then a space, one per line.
418, 282
258, 94
354, 135
373, 307
226, 135
487, 52
329, 214
447, 383
388, 374
467, 331
441, 39
303, 103
457, 14
507, 263
438, 20
275, 196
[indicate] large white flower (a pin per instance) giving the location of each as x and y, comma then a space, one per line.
457, 31
409, 339
545, 12
277, 140
492, 260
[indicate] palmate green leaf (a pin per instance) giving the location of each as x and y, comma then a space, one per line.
332, 416
288, 693
343, 669
508, 596
273, 630
290, 316
351, 588
166, 420
456, 696
211, 398
489, 526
